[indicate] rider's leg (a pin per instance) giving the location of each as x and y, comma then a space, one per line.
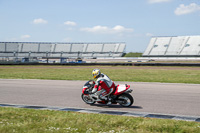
106, 96
98, 93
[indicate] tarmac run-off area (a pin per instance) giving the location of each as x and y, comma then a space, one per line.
181, 100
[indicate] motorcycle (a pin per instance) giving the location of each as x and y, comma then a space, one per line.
119, 95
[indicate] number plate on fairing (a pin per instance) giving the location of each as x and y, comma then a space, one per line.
121, 88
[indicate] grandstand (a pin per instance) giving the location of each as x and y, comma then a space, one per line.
60, 50
175, 46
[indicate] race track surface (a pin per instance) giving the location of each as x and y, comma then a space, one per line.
163, 98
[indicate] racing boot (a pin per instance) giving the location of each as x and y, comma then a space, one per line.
109, 101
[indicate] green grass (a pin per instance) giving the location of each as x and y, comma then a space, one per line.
126, 73
46, 121
40, 121
132, 54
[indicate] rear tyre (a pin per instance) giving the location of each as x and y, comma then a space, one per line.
126, 100
87, 99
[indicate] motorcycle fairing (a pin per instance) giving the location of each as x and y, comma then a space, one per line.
120, 89
83, 90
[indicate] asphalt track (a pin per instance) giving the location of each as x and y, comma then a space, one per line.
162, 98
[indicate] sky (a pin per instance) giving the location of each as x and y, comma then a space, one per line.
131, 21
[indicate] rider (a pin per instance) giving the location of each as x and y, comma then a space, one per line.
106, 84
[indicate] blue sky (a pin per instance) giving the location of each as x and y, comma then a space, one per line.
129, 21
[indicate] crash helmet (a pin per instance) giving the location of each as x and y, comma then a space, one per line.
96, 73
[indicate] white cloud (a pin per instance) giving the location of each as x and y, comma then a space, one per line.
158, 1
182, 9
25, 36
119, 28
70, 23
107, 30
40, 21
149, 34
96, 29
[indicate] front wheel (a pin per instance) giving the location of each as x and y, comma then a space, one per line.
125, 100
87, 99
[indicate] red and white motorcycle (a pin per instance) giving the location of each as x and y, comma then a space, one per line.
119, 95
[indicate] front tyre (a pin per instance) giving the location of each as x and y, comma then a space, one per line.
87, 99
125, 99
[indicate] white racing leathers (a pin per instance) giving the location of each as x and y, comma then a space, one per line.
104, 86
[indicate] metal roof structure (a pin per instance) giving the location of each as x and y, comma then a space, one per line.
175, 46
61, 49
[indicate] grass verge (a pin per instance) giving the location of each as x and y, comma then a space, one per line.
45, 121
133, 54
126, 73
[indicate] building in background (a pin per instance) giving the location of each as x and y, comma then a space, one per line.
175, 46
58, 50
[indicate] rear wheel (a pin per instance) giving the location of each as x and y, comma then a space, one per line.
125, 100
87, 99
